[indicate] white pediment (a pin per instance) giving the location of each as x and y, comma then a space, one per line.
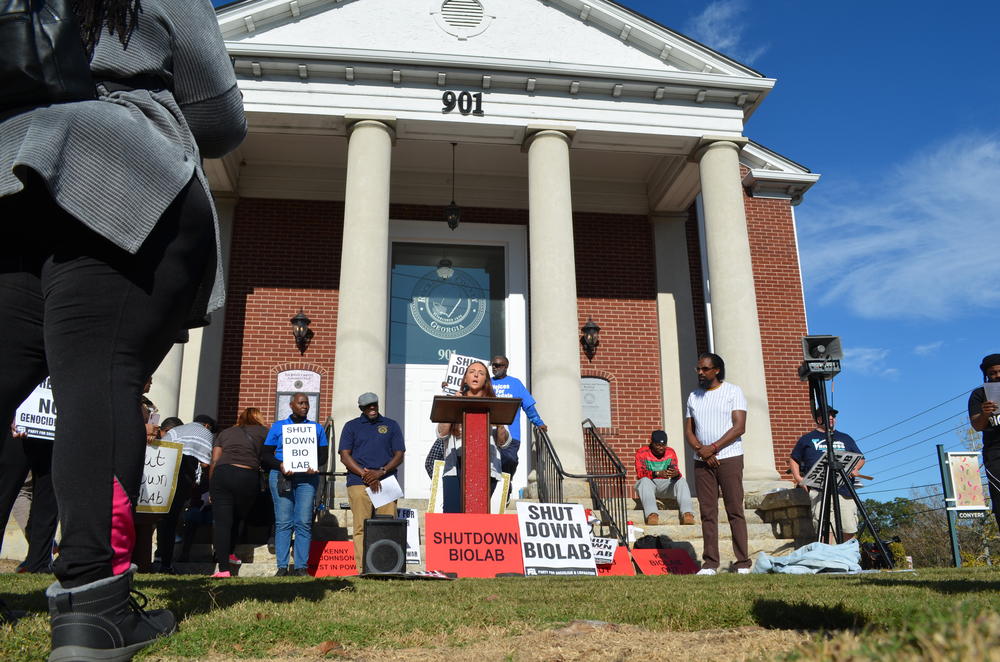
593, 36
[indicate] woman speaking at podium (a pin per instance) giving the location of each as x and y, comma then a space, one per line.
476, 383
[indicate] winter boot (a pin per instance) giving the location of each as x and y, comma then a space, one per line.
102, 621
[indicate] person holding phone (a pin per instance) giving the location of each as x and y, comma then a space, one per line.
659, 475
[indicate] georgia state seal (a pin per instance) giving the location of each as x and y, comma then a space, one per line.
448, 309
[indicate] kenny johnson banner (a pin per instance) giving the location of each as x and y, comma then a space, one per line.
555, 539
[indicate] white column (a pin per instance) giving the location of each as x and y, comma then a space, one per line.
201, 368
362, 340
555, 333
675, 311
736, 329
165, 391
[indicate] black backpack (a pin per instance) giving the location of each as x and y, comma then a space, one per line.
42, 58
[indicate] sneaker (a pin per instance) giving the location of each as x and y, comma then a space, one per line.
235, 560
222, 574
299, 572
652, 520
706, 571
282, 572
742, 571
687, 519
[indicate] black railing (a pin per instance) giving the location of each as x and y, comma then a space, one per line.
606, 478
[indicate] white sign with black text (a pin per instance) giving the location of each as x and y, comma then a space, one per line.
457, 365
604, 549
36, 416
412, 533
159, 476
299, 451
555, 539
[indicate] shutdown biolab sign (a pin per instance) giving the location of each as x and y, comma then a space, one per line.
36, 416
555, 539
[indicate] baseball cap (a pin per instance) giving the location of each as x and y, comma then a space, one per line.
658, 437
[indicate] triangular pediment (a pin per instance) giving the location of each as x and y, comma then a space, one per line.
595, 37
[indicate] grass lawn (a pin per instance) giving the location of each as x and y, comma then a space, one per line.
885, 616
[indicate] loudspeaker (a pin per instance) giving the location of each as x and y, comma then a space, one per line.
825, 348
385, 546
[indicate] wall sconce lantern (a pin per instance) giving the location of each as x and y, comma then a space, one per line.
452, 213
590, 338
301, 331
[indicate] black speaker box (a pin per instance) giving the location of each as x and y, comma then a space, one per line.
385, 546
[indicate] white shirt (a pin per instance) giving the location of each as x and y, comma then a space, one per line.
712, 412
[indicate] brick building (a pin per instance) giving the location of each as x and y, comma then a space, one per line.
601, 170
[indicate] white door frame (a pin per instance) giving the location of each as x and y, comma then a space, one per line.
514, 239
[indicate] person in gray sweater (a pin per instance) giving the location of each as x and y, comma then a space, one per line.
108, 250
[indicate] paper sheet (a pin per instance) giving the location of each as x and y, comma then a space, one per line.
390, 492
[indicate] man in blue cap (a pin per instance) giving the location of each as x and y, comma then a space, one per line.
506, 386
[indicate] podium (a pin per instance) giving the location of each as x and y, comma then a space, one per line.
476, 415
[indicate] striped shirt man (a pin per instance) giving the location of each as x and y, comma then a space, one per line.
712, 411
197, 440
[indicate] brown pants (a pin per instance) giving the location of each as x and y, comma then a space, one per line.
361, 509
728, 476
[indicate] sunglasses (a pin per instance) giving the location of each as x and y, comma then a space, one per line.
499, 365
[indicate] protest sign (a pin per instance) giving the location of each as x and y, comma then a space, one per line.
603, 549
159, 476
622, 565
456, 370
331, 558
474, 545
966, 482
555, 539
664, 562
816, 476
36, 416
298, 443
412, 533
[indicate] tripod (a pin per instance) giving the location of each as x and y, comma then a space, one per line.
830, 503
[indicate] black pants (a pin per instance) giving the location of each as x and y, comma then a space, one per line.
98, 320
166, 528
234, 490
17, 458
991, 460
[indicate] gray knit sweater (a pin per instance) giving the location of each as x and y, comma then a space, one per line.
116, 163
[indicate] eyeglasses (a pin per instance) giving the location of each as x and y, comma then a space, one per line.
499, 365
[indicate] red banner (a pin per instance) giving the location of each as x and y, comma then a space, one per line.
332, 558
621, 565
473, 545
664, 562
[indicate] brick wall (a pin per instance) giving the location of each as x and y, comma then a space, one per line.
616, 286
285, 255
782, 315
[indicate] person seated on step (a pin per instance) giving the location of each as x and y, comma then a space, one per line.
659, 475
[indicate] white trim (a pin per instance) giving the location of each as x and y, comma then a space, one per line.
705, 282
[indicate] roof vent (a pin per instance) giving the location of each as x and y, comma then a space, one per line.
462, 13
461, 18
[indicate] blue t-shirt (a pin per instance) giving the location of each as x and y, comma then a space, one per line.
511, 387
274, 435
812, 445
372, 443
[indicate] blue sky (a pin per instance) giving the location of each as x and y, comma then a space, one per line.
895, 105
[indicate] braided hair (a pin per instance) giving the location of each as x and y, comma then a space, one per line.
119, 16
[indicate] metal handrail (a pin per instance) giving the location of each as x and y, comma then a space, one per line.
607, 488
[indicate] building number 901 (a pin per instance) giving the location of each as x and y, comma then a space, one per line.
466, 102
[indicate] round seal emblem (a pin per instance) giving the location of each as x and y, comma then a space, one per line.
382, 429
448, 309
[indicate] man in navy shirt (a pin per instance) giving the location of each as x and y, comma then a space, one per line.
371, 447
506, 386
805, 454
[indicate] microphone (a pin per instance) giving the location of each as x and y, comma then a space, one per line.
465, 389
